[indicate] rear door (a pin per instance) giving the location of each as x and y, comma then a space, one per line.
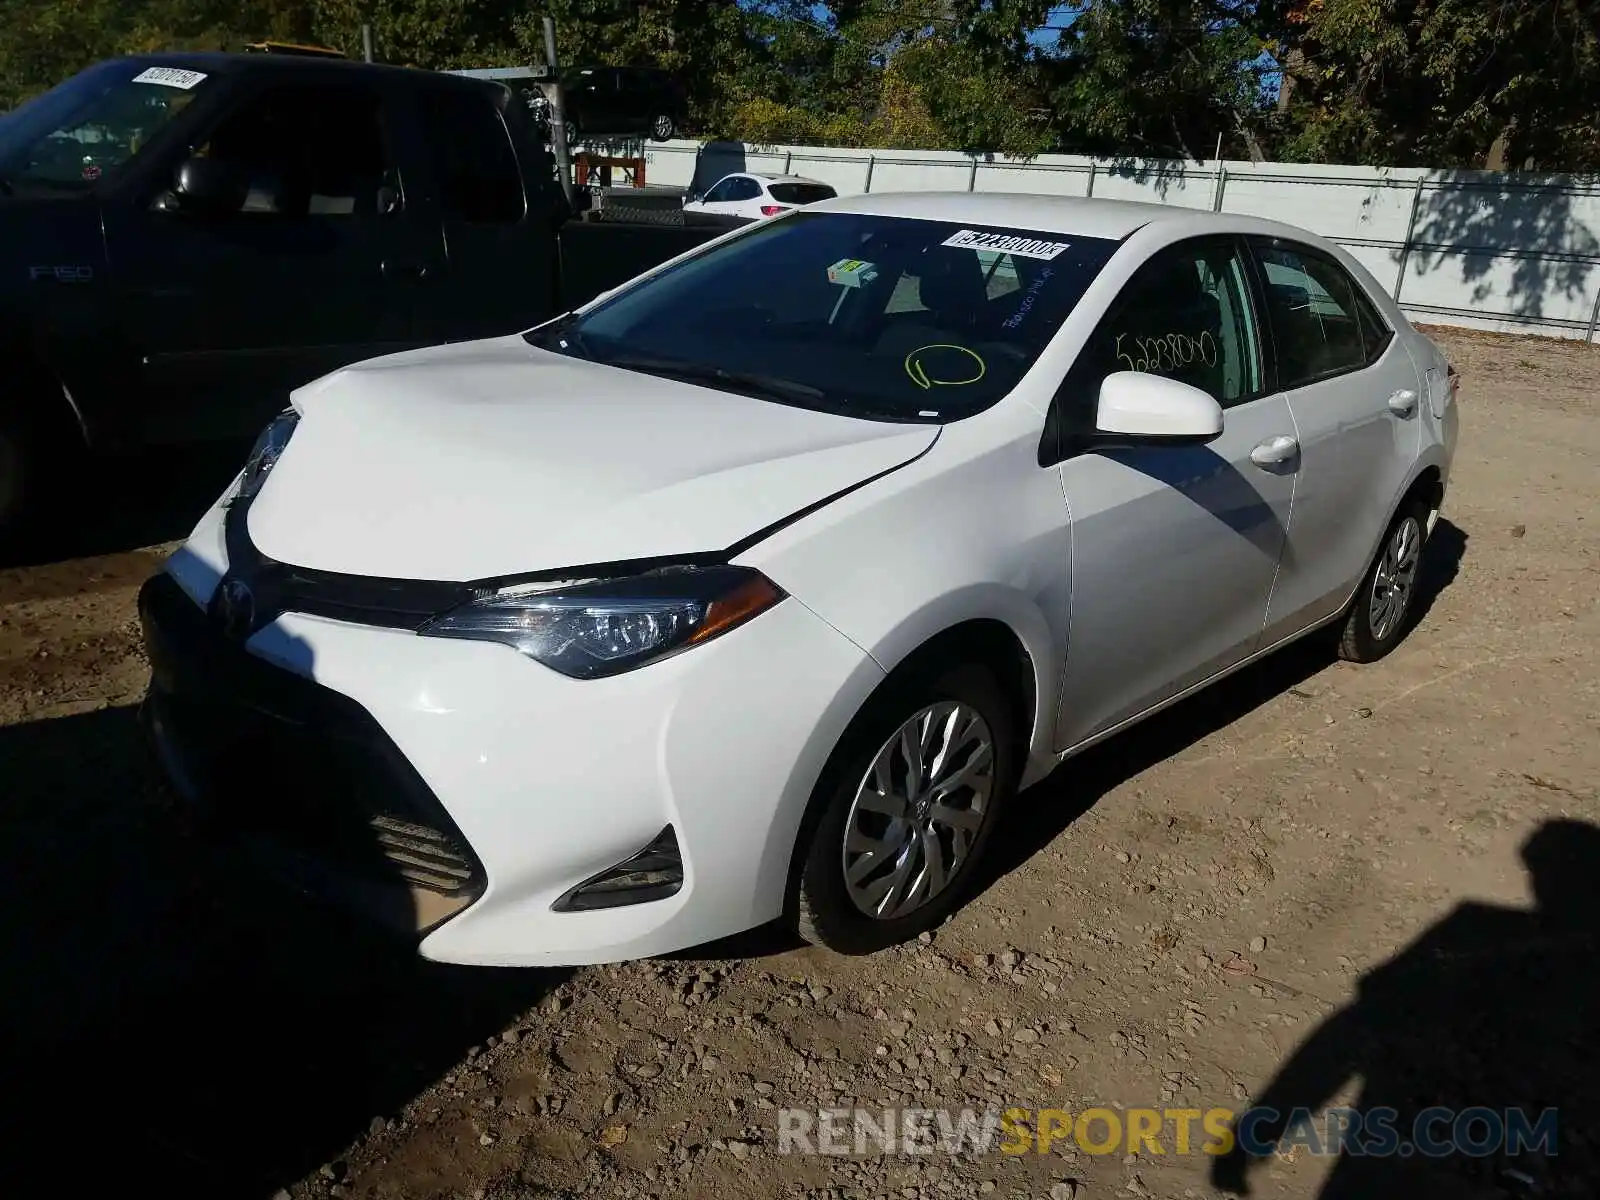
638, 100
1355, 395
594, 97
496, 262
229, 312
1174, 549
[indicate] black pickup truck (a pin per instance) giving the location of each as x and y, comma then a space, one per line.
186, 237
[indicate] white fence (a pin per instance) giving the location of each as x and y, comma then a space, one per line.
1482, 249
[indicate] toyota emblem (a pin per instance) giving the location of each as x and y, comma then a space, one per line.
236, 608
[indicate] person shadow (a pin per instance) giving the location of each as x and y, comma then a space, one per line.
1477, 1047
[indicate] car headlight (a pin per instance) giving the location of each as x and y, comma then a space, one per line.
266, 452
592, 629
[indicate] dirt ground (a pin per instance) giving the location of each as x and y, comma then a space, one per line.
1177, 919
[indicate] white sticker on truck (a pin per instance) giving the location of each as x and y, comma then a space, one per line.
173, 77
1005, 243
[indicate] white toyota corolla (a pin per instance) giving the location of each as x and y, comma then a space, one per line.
757, 588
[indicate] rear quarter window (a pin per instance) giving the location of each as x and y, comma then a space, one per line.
801, 193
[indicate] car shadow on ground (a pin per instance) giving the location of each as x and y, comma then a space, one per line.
1079, 783
175, 1024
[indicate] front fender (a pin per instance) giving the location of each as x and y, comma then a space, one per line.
973, 530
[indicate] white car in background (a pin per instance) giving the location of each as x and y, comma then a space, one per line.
757, 196
758, 588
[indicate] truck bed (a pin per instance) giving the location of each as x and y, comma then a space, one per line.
598, 255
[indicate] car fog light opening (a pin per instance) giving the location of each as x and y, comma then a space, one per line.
654, 873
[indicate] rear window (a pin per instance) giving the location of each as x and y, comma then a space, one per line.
801, 193
479, 180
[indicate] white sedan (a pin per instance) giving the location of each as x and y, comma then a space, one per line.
757, 196
757, 589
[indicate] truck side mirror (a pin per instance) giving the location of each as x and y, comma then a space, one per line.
209, 187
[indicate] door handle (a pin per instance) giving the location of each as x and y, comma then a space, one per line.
1403, 403
1275, 451
404, 270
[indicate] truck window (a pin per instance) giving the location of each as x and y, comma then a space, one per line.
308, 151
92, 124
479, 181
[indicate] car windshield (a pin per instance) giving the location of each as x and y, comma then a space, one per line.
91, 124
801, 193
873, 316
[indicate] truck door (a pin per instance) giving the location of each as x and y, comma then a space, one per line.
497, 274
314, 270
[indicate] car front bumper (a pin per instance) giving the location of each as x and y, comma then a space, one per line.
459, 789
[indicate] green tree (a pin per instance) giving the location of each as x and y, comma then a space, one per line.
1162, 78
1446, 83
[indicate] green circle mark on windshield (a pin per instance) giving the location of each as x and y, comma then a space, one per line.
952, 366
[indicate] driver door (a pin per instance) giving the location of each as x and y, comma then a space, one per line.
1174, 549
227, 311
726, 195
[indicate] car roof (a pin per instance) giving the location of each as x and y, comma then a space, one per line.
765, 178
1072, 215
216, 63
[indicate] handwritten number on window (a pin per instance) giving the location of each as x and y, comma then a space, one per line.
1165, 353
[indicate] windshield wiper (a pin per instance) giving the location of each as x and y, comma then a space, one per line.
770, 387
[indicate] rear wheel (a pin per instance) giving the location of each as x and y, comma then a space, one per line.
663, 127
904, 810
1384, 605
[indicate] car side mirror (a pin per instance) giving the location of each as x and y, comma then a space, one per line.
1138, 408
209, 187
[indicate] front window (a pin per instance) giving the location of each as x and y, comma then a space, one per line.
91, 124
873, 316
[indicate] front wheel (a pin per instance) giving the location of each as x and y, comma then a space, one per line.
1384, 604
903, 812
663, 127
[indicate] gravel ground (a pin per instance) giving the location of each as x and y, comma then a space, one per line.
1311, 883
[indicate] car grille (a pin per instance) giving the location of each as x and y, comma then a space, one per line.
277, 756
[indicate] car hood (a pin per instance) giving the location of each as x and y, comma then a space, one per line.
493, 458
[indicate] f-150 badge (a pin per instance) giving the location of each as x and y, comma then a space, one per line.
66, 274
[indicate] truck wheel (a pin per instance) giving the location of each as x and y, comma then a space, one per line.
662, 128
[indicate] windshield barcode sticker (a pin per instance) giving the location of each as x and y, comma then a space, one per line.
972, 239
173, 77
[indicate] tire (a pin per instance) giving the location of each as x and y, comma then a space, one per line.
1384, 606
824, 908
663, 127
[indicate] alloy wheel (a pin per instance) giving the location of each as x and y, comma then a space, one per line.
1394, 582
918, 810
